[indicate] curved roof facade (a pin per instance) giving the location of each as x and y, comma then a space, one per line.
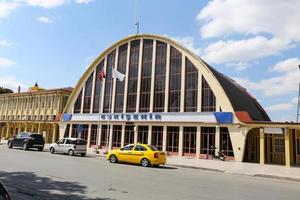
161, 76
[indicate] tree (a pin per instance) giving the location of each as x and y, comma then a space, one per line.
5, 90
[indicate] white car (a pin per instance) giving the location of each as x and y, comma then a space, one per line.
70, 146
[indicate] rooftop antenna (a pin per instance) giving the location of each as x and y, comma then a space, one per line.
137, 23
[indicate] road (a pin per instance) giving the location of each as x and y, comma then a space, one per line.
31, 175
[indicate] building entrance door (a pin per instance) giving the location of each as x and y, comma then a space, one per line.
275, 149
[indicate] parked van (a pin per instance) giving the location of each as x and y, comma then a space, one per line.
70, 146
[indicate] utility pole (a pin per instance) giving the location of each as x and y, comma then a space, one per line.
298, 108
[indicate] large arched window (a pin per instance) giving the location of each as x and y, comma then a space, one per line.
133, 75
175, 80
120, 86
146, 76
98, 88
160, 77
191, 87
88, 94
108, 82
208, 97
77, 105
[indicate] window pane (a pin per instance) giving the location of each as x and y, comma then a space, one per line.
208, 97
191, 87
98, 88
108, 82
88, 94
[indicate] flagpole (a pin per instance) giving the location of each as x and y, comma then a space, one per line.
109, 110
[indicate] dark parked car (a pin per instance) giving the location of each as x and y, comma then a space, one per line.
27, 140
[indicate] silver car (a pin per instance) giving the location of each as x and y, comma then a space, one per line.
70, 146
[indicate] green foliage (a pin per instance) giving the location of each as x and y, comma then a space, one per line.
5, 90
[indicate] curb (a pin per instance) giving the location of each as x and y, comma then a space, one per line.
277, 177
198, 168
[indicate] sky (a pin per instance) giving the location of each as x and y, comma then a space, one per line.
254, 42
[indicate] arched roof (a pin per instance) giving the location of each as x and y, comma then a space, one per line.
236, 97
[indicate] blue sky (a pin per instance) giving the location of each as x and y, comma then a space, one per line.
254, 42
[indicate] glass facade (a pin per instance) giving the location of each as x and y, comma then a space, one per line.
160, 77
143, 134
120, 85
116, 137
129, 135
172, 139
225, 142
189, 140
157, 136
207, 140
175, 80
133, 75
104, 136
146, 75
94, 135
88, 94
191, 87
109, 82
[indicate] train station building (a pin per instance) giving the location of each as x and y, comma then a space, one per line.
174, 100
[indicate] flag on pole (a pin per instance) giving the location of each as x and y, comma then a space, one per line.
118, 75
102, 75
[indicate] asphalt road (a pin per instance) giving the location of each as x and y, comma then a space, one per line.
31, 175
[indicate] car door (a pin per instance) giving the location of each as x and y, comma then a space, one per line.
68, 145
59, 146
16, 140
125, 154
137, 153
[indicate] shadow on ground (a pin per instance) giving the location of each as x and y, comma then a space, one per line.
27, 185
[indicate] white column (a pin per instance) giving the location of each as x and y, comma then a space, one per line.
99, 134
182, 89
199, 103
261, 146
153, 76
93, 90
110, 137
123, 136
114, 83
164, 144
180, 143
149, 135
70, 130
198, 141
126, 78
217, 140
138, 93
167, 79
89, 135
136, 134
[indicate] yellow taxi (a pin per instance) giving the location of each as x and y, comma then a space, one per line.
143, 154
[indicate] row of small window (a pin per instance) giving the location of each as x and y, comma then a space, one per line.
191, 82
29, 117
31, 102
172, 144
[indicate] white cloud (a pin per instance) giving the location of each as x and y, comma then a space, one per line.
4, 62
188, 42
238, 66
6, 8
47, 3
279, 18
285, 83
12, 83
280, 107
4, 43
295, 100
243, 50
45, 20
83, 1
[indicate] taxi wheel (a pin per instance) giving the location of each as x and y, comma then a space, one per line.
52, 150
9, 145
71, 152
145, 162
113, 159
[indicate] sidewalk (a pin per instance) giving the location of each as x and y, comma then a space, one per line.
231, 167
